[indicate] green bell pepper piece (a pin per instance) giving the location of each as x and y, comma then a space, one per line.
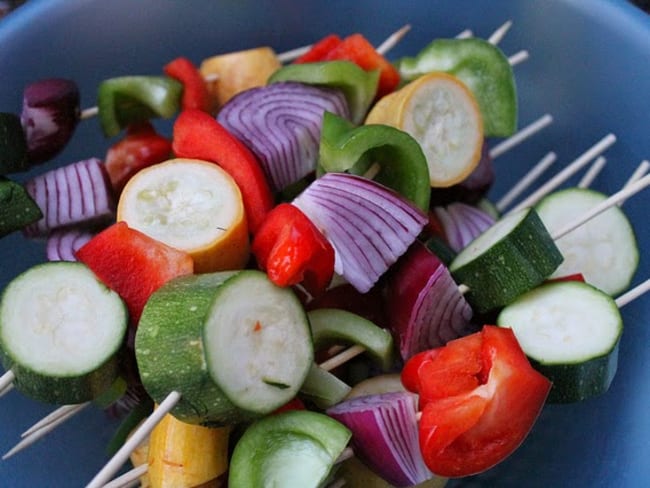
323, 388
403, 165
13, 144
482, 67
358, 86
130, 99
17, 207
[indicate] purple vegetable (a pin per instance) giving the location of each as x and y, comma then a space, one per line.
369, 225
385, 435
62, 244
424, 306
49, 117
462, 223
281, 123
78, 193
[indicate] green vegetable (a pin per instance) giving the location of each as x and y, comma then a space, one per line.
130, 99
482, 67
296, 448
570, 331
358, 86
17, 208
234, 345
324, 388
13, 144
60, 331
402, 164
513, 256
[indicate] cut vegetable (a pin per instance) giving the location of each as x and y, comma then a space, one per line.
17, 208
604, 249
232, 343
368, 224
192, 205
63, 244
296, 448
281, 124
462, 223
440, 112
323, 388
570, 331
60, 331
511, 257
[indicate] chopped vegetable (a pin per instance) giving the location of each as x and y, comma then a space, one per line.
281, 124
17, 208
195, 92
319, 49
13, 145
291, 250
63, 244
322, 388
197, 135
462, 223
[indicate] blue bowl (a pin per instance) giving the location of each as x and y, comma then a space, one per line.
589, 67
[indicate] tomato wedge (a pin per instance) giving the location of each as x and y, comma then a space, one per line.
479, 397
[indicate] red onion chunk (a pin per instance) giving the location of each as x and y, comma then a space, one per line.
62, 244
74, 194
369, 225
49, 117
424, 306
281, 123
385, 435
462, 223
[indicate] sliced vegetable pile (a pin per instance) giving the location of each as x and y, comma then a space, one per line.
296, 211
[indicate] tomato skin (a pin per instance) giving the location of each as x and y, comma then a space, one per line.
477, 411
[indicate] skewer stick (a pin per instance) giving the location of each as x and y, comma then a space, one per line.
342, 357
140, 434
6, 389
633, 294
567, 172
528, 179
614, 199
54, 416
521, 135
464, 34
393, 39
518, 57
500, 33
129, 477
593, 171
7, 379
639, 172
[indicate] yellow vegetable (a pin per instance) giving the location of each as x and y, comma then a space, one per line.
192, 205
228, 74
440, 112
184, 455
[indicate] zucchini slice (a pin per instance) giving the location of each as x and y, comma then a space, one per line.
513, 256
60, 331
604, 250
570, 331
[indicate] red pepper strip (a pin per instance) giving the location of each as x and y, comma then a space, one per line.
571, 277
141, 147
198, 135
320, 49
292, 250
479, 397
133, 264
295, 404
195, 91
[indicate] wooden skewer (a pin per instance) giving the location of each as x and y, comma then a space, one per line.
593, 171
639, 172
54, 416
7, 379
464, 34
567, 172
520, 136
129, 477
528, 179
633, 294
500, 33
518, 58
6, 389
342, 357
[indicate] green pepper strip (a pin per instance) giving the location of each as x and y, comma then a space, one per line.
403, 165
358, 86
17, 207
482, 67
130, 99
13, 145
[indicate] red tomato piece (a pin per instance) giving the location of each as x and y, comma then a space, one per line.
484, 409
320, 49
133, 264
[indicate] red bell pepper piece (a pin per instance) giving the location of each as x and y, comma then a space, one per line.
198, 135
141, 147
292, 250
195, 91
320, 49
133, 264
479, 397
570, 277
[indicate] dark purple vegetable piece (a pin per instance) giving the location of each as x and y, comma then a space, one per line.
385, 435
369, 225
281, 123
50, 114
462, 223
75, 194
424, 306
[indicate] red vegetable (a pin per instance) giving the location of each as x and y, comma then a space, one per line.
141, 147
320, 49
479, 397
198, 135
195, 91
292, 250
133, 264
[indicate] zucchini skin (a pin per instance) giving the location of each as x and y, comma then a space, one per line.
513, 265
